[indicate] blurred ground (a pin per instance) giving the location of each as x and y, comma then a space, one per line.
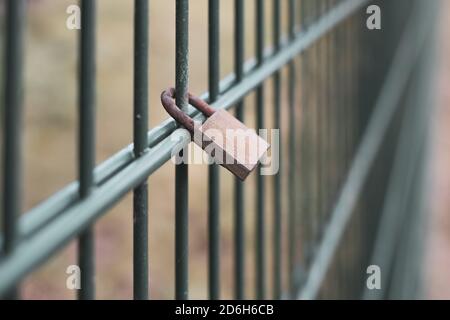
438, 262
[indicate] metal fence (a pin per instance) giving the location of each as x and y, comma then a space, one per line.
353, 153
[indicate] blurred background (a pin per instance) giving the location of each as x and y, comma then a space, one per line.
50, 145
438, 255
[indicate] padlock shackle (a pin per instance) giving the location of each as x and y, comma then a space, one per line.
168, 102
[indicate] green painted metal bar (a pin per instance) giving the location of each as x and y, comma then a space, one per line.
86, 161
314, 145
320, 127
239, 199
214, 173
344, 112
347, 105
333, 112
329, 117
315, 140
310, 89
181, 170
140, 196
307, 143
12, 128
292, 155
260, 192
277, 188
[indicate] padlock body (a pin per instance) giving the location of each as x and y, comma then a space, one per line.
231, 144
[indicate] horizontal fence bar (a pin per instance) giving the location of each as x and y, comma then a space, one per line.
401, 67
302, 41
37, 248
48, 231
37, 217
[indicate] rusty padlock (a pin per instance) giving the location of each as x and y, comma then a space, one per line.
231, 144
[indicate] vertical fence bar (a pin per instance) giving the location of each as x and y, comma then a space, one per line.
292, 154
181, 170
214, 177
260, 198
329, 125
307, 150
352, 141
12, 126
313, 154
343, 125
321, 139
317, 134
332, 109
239, 228
322, 92
346, 105
356, 277
277, 230
140, 196
86, 161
